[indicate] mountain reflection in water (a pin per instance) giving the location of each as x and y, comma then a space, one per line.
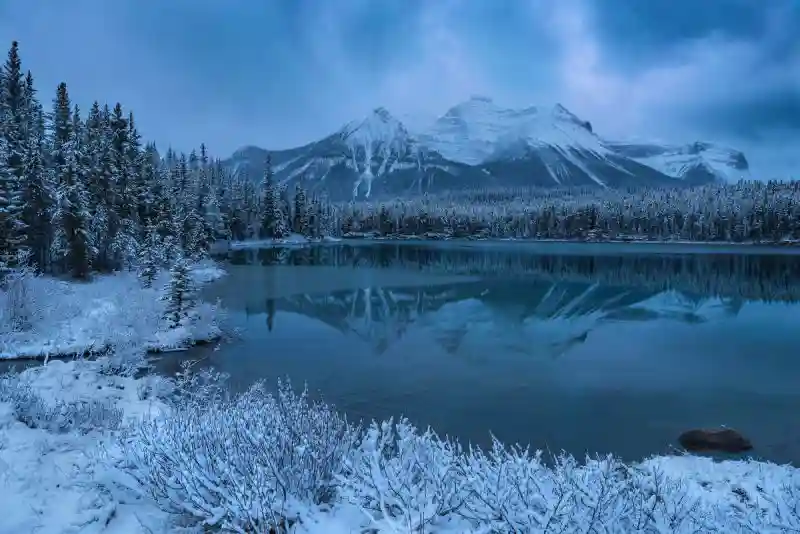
605, 353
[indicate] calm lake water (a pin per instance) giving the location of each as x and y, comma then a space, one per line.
582, 348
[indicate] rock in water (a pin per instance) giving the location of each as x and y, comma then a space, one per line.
718, 440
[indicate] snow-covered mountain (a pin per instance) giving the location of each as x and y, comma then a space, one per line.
478, 143
348, 163
478, 130
697, 162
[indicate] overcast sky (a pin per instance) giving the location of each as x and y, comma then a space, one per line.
278, 73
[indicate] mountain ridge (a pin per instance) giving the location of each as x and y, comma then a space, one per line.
478, 143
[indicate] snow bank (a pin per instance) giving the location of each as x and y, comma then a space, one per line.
69, 318
53, 481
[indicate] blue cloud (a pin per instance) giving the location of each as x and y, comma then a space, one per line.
283, 72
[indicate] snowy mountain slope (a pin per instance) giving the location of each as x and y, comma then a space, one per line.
695, 162
477, 130
480, 144
358, 160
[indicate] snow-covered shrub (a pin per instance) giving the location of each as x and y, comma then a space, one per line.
124, 359
203, 385
249, 463
404, 480
155, 387
659, 503
61, 416
258, 461
18, 300
511, 489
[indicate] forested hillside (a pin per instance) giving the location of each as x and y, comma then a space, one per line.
743, 212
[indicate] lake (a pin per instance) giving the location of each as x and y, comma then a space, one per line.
588, 349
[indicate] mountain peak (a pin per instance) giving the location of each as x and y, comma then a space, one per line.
559, 108
481, 98
382, 113
378, 123
477, 130
691, 161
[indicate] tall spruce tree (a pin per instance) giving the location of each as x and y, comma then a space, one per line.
12, 149
123, 231
179, 293
273, 221
150, 257
71, 245
36, 190
301, 208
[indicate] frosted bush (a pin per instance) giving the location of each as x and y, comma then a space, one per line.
198, 385
124, 359
511, 489
20, 297
155, 387
60, 416
259, 461
403, 479
243, 464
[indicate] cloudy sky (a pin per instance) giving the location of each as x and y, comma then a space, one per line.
278, 73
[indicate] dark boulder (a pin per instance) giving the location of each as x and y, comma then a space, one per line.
714, 440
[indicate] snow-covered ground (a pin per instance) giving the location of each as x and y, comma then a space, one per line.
52, 480
78, 318
87, 449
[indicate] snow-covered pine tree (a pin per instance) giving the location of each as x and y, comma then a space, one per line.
150, 256
138, 187
160, 190
104, 223
12, 149
150, 189
301, 209
36, 190
71, 245
179, 293
123, 245
273, 220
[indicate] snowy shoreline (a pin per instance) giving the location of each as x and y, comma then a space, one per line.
87, 449
781, 247
120, 455
80, 319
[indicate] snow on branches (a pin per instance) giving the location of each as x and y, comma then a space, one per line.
261, 461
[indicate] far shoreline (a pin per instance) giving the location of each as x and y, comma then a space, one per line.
566, 246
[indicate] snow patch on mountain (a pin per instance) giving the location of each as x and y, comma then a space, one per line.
377, 143
681, 161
